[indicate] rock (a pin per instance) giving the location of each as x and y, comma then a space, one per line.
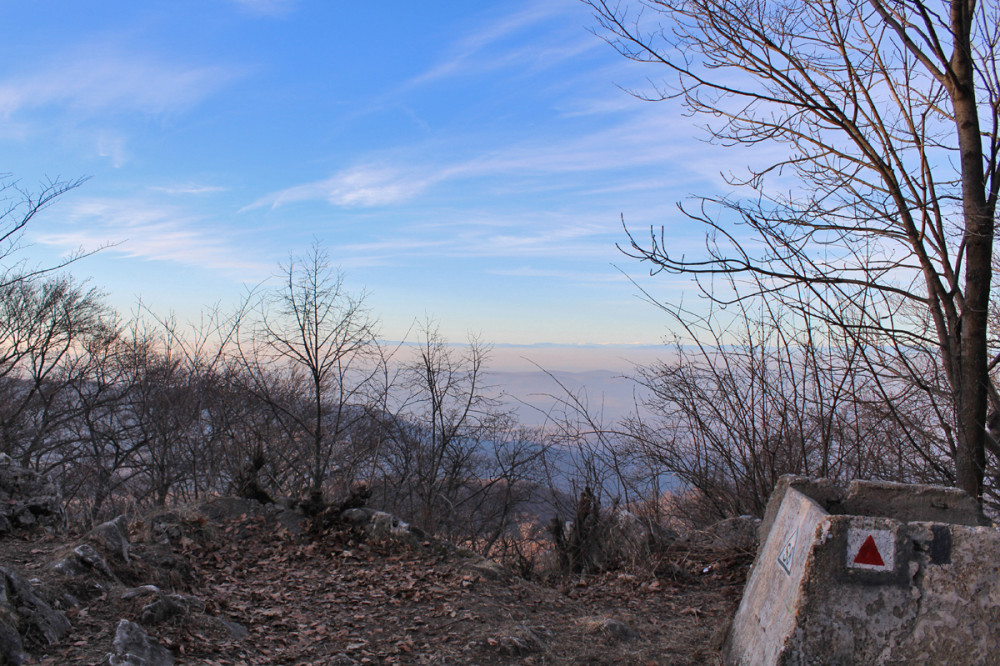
185, 526
23, 612
11, 651
11, 648
358, 517
165, 606
632, 535
378, 525
160, 610
235, 629
113, 535
290, 520
230, 508
165, 528
82, 561
168, 606
608, 628
132, 647
739, 533
23, 516
90, 558
488, 569
525, 641
141, 591
173, 568
27, 498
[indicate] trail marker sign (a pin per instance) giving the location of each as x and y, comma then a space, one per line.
877, 573
872, 550
786, 554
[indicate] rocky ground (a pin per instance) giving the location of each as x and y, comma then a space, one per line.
232, 582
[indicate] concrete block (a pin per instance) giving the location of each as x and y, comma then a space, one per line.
911, 502
832, 587
823, 491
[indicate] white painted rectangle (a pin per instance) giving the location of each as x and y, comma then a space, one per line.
869, 549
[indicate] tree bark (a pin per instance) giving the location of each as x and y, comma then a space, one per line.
972, 390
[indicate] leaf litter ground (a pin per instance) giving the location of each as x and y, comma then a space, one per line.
336, 598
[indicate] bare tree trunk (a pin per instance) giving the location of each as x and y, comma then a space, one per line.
890, 111
973, 383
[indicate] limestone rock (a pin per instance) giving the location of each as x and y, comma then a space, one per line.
739, 533
113, 535
132, 647
141, 591
161, 610
610, 629
165, 529
235, 629
488, 569
382, 525
23, 612
27, 498
11, 648
523, 642
168, 606
5, 526
84, 560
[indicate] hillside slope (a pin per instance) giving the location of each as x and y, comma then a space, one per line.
256, 588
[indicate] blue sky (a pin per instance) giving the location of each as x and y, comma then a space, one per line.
467, 162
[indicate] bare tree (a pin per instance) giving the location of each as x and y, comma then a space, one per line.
309, 350
454, 460
444, 411
890, 113
18, 207
47, 325
160, 405
201, 351
763, 396
103, 458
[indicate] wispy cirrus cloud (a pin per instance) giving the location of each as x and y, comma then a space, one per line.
465, 234
641, 140
466, 56
95, 79
182, 189
473, 63
389, 252
503, 42
566, 275
267, 7
361, 186
112, 145
146, 230
541, 236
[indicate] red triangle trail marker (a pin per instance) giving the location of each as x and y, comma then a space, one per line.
870, 549
868, 554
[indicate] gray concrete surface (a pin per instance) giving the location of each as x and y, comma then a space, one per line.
874, 574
